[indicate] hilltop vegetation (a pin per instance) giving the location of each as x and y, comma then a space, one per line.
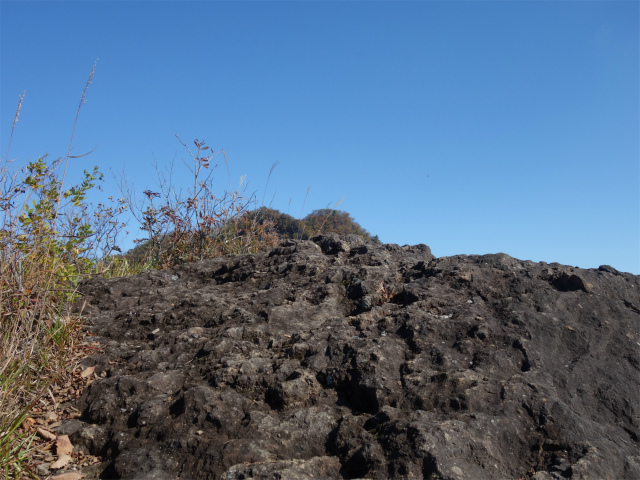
321, 221
261, 228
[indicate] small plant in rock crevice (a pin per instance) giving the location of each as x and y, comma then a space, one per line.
384, 292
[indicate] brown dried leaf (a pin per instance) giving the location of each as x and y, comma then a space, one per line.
63, 445
87, 371
42, 433
61, 462
69, 476
51, 417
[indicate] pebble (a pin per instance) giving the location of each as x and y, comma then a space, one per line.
42, 470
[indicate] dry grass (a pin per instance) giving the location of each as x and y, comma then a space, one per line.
42, 238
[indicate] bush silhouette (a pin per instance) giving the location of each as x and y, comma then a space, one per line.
319, 221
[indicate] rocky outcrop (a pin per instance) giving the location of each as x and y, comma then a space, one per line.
335, 358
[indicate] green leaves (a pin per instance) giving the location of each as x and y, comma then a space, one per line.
57, 227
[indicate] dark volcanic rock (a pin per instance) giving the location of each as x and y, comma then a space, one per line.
337, 358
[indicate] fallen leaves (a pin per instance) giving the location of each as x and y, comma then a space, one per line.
51, 417
63, 445
46, 435
61, 462
69, 476
55, 452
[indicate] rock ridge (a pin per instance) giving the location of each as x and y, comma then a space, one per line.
338, 358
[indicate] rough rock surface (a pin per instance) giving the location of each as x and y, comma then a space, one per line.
333, 358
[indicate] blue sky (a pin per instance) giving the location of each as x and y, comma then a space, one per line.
473, 127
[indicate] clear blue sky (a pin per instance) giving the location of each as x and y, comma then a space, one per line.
473, 127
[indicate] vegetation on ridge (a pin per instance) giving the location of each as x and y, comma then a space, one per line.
326, 220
